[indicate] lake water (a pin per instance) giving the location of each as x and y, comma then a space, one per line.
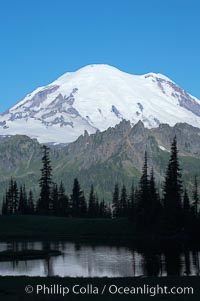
80, 260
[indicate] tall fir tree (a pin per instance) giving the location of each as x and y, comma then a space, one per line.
25, 198
173, 192
132, 203
22, 208
195, 196
30, 203
15, 197
83, 206
92, 205
76, 197
12, 198
143, 203
186, 209
63, 201
45, 183
54, 204
154, 201
144, 184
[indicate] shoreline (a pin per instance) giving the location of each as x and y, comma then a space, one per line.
97, 230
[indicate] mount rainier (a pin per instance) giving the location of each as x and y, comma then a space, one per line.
97, 97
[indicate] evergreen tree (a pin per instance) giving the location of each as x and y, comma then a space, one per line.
15, 197
123, 202
92, 205
83, 206
102, 209
154, 201
144, 184
76, 199
186, 209
173, 191
143, 203
195, 202
55, 204
186, 202
30, 203
8, 203
63, 201
97, 206
12, 198
132, 203
45, 184
21, 208
116, 202
25, 198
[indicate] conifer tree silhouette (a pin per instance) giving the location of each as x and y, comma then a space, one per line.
173, 192
45, 183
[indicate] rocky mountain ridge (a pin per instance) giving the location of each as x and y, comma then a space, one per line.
103, 158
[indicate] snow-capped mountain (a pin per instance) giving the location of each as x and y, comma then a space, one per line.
95, 98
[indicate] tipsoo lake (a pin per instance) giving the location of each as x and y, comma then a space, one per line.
85, 260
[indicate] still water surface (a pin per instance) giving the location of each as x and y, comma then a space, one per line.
79, 260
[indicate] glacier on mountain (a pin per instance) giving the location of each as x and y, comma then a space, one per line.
97, 97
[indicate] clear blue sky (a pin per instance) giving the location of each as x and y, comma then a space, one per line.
42, 39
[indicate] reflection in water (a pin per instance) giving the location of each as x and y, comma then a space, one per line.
98, 261
195, 256
151, 264
173, 261
187, 263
